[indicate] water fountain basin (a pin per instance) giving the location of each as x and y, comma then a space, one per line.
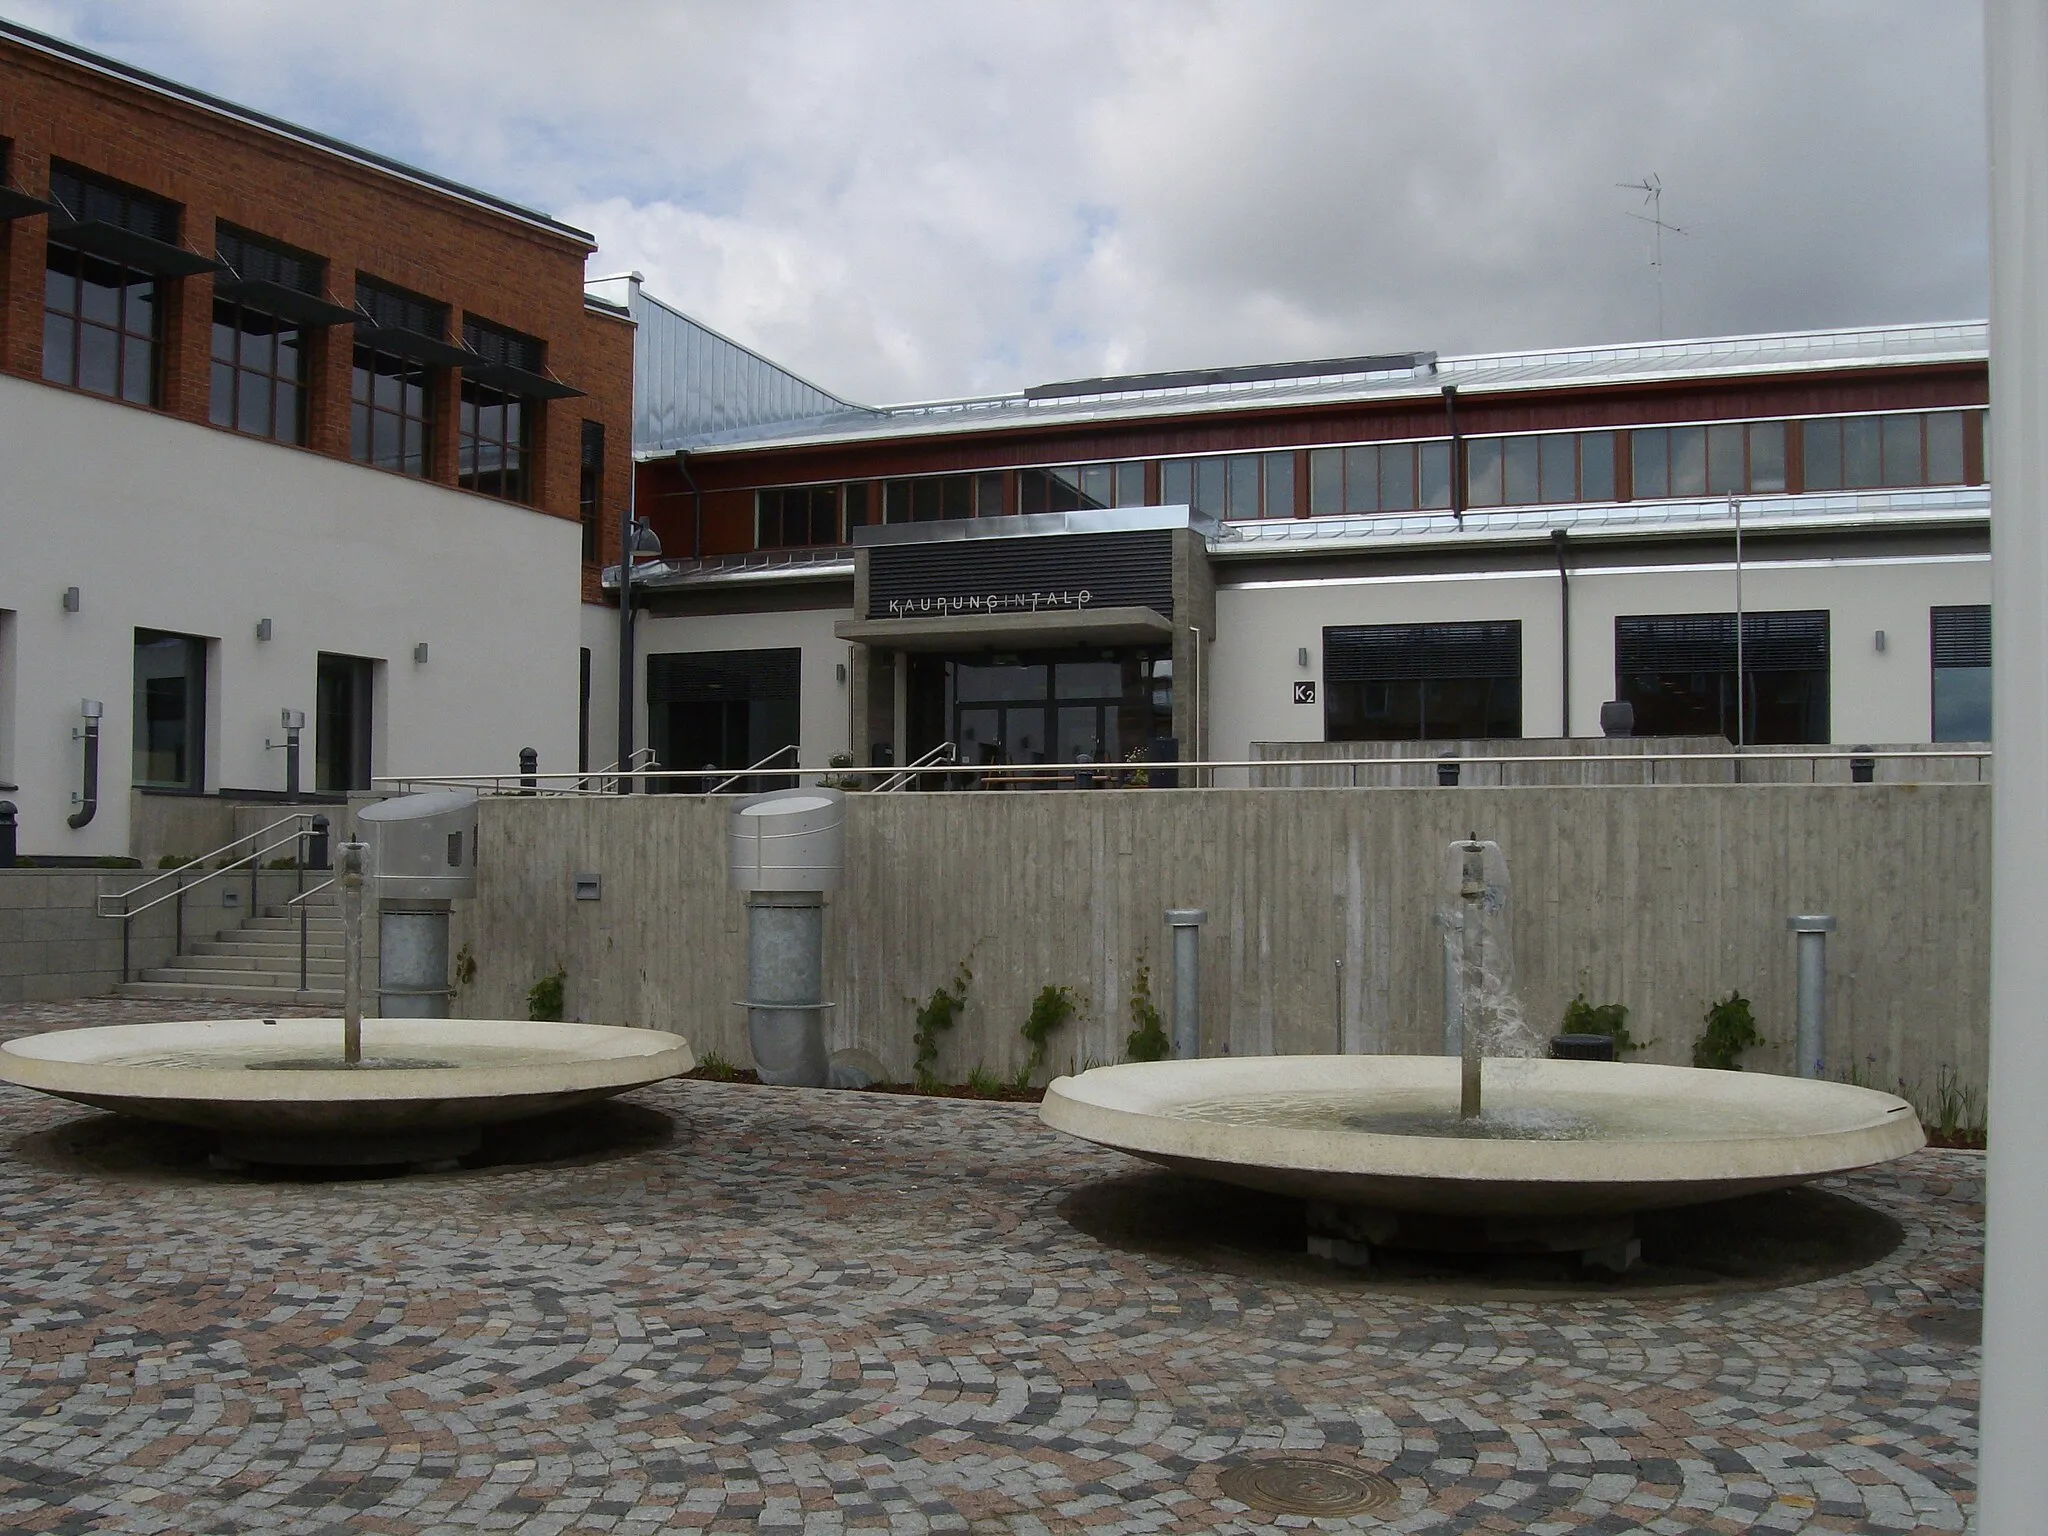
1558, 1138
281, 1087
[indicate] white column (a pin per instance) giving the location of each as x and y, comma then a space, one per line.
2012, 1475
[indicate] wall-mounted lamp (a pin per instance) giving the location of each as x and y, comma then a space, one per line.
72, 601
91, 709
1301, 657
1880, 639
419, 654
839, 671
263, 629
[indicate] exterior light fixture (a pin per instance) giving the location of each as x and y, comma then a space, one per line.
645, 543
839, 671
91, 709
1301, 657
293, 721
419, 654
263, 629
72, 602
1880, 639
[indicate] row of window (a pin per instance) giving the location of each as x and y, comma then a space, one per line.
1641, 464
170, 716
113, 249
1446, 682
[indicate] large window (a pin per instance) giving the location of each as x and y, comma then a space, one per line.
590, 488
1679, 671
943, 498
1721, 459
1422, 682
1241, 486
391, 394
494, 446
1859, 452
1379, 477
342, 725
1076, 487
103, 313
796, 517
170, 711
259, 356
1533, 470
1961, 646
724, 709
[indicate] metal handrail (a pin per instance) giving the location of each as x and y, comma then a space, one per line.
756, 768
633, 762
944, 752
508, 783
299, 902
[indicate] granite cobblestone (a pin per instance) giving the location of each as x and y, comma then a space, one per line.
844, 1313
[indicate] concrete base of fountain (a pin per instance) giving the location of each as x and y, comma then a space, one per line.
1558, 1140
278, 1091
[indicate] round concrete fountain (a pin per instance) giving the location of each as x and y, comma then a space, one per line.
278, 1091
1555, 1138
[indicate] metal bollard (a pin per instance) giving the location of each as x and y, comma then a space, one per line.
316, 844
9, 849
1809, 1039
529, 766
1862, 770
1186, 923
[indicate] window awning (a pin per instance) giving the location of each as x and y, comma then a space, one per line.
15, 204
416, 345
141, 252
1012, 631
516, 381
277, 299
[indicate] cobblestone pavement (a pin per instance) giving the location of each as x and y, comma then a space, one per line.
847, 1312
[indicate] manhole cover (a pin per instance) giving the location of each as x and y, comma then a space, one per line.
1948, 1325
1305, 1485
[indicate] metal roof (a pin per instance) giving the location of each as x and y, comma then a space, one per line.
1281, 385
99, 64
692, 385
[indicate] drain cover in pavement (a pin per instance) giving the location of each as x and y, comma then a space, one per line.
1948, 1325
1305, 1485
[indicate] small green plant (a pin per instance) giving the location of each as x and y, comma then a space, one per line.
841, 780
1147, 1040
984, 1082
1609, 1019
1139, 777
172, 861
544, 999
1050, 1010
1731, 1030
284, 863
939, 1013
465, 967
717, 1068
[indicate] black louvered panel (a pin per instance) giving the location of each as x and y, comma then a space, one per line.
1962, 636
1705, 642
701, 677
1088, 570
1373, 653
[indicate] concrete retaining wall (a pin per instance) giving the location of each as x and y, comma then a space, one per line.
1320, 935
1604, 760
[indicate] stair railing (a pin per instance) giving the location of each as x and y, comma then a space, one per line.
247, 850
300, 901
753, 768
944, 752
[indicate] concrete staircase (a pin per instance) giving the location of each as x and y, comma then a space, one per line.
257, 962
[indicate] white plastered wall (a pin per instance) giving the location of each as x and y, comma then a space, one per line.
163, 524
1879, 697
824, 698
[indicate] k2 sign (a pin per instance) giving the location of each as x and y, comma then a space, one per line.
1305, 693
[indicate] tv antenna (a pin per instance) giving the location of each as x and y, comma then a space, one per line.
1652, 188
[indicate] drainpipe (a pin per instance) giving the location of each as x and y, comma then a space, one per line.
1457, 455
697, 503
89, 793
626, 526
1558, 538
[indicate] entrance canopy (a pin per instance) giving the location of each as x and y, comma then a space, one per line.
949, 631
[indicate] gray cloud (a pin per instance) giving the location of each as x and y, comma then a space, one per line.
921, 199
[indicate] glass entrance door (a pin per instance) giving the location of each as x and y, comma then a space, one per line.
1051, 707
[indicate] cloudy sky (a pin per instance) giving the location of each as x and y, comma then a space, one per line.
903, 200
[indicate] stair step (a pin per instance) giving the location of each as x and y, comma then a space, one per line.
204, 975
242, 944
316, 909
170, 990
263, 960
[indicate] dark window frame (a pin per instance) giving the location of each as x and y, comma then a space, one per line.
191, 678
1472, 668
1959, 670
590, 489
418, 387
496, 429
1680, 668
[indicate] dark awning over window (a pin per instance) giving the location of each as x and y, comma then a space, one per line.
276, 299
515, 381
1705, 642
16, 204
129, 248
402, 342
1374, 653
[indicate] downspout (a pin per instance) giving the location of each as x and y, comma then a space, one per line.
89, 798
1558, 538
624, 782
697, 501
1457, 455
